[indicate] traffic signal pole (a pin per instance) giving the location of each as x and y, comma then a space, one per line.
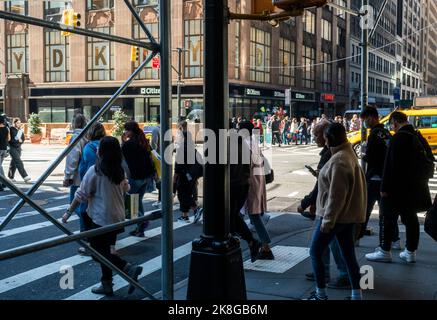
216, 266
364, 74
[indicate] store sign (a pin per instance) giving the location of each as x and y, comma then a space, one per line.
150, 91
57, 61
155, 63
279, 94
195, 50
18, 60
328, 97
302, 96
252, 92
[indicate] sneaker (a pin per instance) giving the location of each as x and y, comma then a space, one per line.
341, 283
310, 277
156, 204
27, 179
254, 250
316, 297
379, 256
368, 232
265, 217
197, 214
83, 251
396, 245
408, 256
185, 219
133, 272
137, 233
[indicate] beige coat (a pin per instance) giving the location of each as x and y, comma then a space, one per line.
342, 196
256, 202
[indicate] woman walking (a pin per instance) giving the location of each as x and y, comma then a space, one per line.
136, 152
15, 142
341, 203
5, 136
103, 187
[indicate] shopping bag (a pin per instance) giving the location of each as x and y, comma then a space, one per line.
131, 202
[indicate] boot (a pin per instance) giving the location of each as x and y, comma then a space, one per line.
133, 272
105, 288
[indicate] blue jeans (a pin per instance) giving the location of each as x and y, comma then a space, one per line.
345, 236
260, 228
334, 247
78, 210
140, 187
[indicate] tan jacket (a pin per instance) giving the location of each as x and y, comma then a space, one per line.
342, 196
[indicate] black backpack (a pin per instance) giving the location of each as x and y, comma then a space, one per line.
424, 158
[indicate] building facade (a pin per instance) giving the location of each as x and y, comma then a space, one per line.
429, 56
46, 73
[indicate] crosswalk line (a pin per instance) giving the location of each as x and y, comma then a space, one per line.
149, 267
34, 212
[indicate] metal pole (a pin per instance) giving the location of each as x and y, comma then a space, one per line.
166, 168
179, 80
364, 75
67, 150
58, 26
57, 224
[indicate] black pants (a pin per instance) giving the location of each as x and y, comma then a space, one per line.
238, 226
16, 163
276, 137
102, 244
158, 186
390, 215
187, 193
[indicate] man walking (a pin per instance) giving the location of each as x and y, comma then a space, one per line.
404, 188
17, 139
276, 135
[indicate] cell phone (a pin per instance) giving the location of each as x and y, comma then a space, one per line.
313, 172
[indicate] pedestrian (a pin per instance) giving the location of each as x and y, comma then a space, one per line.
355, 123
276, 134
376, 150
5, 136
71, 172
341, 203
15, 142
404, 188
187, 172
136, 151
256, 201
103, 187
259, 127
269, 134
286, 130
294, 129
156, 145
303, 131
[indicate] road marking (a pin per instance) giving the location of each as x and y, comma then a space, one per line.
149, 267
34, 212
300, 173
293, 194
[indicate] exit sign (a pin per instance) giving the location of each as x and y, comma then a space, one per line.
155, 63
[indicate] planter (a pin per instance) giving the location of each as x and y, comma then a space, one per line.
35, 138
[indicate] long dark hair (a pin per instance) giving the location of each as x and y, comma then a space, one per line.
109, 160
137, 134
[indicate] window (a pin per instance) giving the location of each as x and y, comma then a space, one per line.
385, 88
326, 30
340, 13
425, 122
341, 37
372, 85
100, 4
309, 22
371, 61
309, 59
341, 76
386, 67
151, 21
327, 72
378, 86
379, 63
100, 62
17, 6
260, 43
287, 58
17, 53
194, 45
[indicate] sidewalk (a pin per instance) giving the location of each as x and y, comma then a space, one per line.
392, 281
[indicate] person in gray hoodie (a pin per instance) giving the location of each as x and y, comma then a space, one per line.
341, 204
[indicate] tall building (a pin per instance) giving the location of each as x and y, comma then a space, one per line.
429, 63
382, 57
46, 73
409, 24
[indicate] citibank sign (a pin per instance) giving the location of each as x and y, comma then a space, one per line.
150, 91
252, 92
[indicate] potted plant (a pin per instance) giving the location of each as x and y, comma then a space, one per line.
34, 128
120, 119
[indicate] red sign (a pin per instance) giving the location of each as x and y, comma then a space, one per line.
329, 97
155, 63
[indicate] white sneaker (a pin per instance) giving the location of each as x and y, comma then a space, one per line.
396, 245
408, 256
156, 204
379, 256
27, 179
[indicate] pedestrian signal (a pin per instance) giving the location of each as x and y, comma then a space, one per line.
134, 53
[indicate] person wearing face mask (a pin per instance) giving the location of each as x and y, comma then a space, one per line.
376, 149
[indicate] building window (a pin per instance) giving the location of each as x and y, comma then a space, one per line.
260, 43
372, 85
287, 58
378, 86
327, 72
194, 45
385, 88
340, 13
371, 61
100, 64
341, 37
99, 4
309, 22
341, 77
309, 59
17, 53
326, 30
151, 21
17, 6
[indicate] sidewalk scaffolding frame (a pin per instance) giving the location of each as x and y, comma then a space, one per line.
167, 208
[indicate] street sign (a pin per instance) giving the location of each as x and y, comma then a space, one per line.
155, 63
287, 97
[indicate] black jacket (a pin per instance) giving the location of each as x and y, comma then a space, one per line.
377, 145
399, 181
311, 198
14, 143
239, 171
275, 125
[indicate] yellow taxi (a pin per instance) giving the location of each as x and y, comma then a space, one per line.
425, 120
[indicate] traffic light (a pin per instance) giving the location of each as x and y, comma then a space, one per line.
71, 19
134, 53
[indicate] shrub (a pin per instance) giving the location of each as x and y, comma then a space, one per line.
34, 124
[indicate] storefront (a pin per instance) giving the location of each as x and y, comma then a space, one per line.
303, 104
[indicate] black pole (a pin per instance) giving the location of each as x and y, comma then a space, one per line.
216, 267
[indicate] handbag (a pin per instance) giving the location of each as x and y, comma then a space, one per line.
131, 205
268, 171
431, 221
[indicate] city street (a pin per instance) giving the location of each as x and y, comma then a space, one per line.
38, 276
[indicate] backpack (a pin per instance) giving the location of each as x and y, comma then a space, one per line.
196, 169
424, 158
